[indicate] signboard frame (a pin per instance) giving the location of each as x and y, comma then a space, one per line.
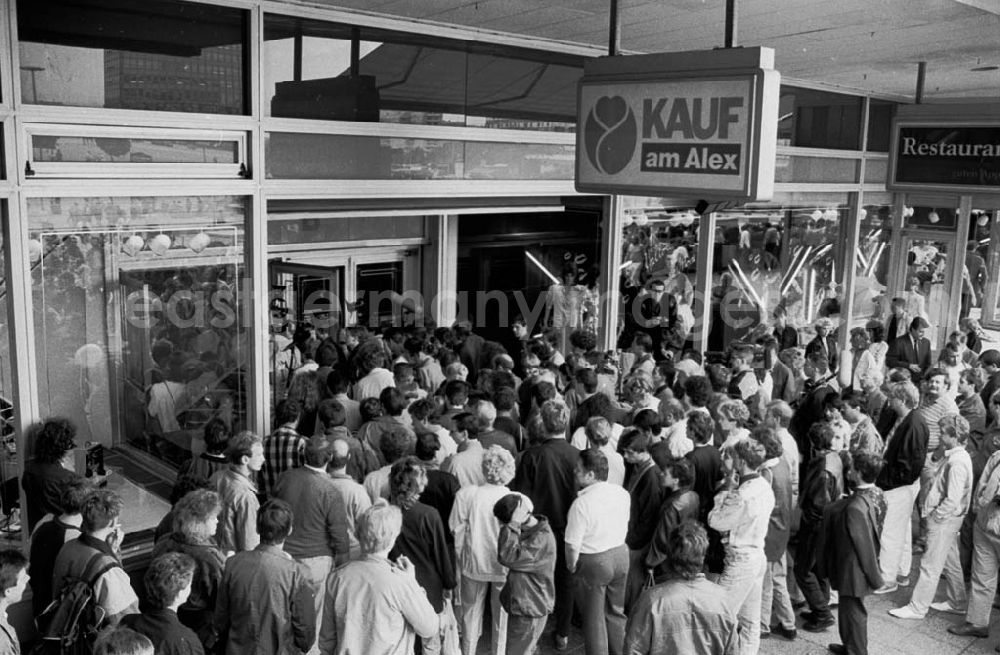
751, 66
901, 122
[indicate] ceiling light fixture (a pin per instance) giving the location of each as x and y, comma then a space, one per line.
984, 69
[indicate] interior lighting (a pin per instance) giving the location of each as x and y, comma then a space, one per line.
132, 245
160, 244
542, 268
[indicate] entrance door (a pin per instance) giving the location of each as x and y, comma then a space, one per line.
990, 302
926, 275
303, 297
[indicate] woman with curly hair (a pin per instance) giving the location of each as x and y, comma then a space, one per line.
45, 475
732, 417
372, 375
422, 539
476, 532
196, 517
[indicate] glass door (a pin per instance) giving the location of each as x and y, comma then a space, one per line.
926, 275
987, 236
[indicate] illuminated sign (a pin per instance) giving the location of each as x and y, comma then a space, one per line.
696, 124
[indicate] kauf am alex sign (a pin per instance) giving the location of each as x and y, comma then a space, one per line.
691, 124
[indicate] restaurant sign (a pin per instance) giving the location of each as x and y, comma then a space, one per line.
945, 155
699, 124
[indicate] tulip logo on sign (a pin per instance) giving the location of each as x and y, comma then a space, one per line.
610, 134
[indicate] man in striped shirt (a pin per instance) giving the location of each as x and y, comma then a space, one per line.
935, 405
285, 447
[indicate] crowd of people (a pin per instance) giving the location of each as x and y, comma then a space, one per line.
417, 478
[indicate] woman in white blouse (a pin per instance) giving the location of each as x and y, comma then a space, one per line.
857, 361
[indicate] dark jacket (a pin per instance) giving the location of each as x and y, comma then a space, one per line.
901, 354
973, 411
832, 352
319, 525
546, 475
43, 484
849, 547
647, 494
422, 541
265, 603
788, 337
530, 554
823, 484
496, 437
707, 463
168, 635
209, 562
679, 506
440, 494
905, 454
45, 544
778, 527
990, 388
809, 411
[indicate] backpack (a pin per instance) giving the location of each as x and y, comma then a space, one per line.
69, 625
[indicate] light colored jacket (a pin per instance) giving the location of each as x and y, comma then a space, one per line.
237, 529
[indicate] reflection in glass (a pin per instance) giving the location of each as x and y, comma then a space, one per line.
412, 78
139, 317
871, 264
332, 157
157, 55
927, 285
48, 148
8, 451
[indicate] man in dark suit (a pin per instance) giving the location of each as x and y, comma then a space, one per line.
825, 343
911, 351
849, 553
990, 363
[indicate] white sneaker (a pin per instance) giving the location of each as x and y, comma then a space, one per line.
906, 612
887, 588
945, 606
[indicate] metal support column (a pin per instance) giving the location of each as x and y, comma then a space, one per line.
611, 262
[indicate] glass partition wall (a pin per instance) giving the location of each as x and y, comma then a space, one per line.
139, 318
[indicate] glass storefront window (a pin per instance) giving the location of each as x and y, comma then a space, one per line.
158, 55
880, 114
139, 317
282, 231
819, 119
8, 450
659, 245
413, 78
776, 255
872, 261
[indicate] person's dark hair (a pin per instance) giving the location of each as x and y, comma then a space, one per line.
53, 438
427, 445
166, 576
719, 377
868, 465
331, 413
503, 380
100, 510
973, 377
990, 358
393, 401
821, 435
317, 452
680, 467
399, 369
769, 439
370, 409
588, 378
337, 382
856, 399
542, 392
274, 521
394, 444
686, 548
875, 330
407, 479
326, 355
919, 322
643, 341
504, 508
935, 372
217, 433
596, 462
635, 440
698, 390
504, 399
12, 562
456, 391
647, 420
750, 451
585, 340
422, 410
466, 422
700, 427
241, 445
833, 401
119, 640
185, 484
73, 493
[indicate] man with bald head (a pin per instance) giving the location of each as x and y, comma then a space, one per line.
352, 494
